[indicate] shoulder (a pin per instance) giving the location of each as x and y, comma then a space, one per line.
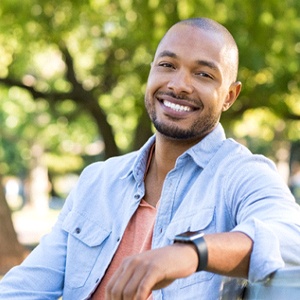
98, 181
121, 166
114, 166
238, 166
239, 156
250, 173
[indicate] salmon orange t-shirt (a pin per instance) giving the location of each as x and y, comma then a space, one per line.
137, 238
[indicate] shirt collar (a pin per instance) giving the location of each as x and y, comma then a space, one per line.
201, 153
138, 168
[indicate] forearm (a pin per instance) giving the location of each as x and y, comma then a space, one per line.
138, 275
229, 253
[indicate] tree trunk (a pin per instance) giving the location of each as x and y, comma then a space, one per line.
143, 131
11, 251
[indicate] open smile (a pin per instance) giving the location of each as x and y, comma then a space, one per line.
177, 107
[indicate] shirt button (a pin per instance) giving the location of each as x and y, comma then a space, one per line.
137, 196
118, 239
77, 230
97, 280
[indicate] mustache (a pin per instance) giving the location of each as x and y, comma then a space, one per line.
197, 102
173, 95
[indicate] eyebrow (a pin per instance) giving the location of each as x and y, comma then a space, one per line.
167, 53
206, 63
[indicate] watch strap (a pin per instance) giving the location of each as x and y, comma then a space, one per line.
196, 239
201, 252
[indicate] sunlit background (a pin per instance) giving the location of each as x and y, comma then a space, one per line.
72, 78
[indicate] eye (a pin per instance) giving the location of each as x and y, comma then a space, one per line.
166, 65
204, 74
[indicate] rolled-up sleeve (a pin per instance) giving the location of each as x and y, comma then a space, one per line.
267, 213
266, 255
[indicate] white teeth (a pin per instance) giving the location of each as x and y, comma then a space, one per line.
176, 107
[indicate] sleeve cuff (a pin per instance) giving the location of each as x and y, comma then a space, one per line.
265, 257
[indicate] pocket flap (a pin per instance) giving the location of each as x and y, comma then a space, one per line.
88, 231
203, 220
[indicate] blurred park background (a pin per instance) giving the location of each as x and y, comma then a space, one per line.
72, 79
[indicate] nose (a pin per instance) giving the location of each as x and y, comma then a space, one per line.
181, 82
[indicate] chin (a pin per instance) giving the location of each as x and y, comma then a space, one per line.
174, 132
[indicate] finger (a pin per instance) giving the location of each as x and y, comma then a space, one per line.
127, 280
123, 284
148, 282
114, 288
144, 277
135, 287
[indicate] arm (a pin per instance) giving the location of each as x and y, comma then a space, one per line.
229, 254
41, 275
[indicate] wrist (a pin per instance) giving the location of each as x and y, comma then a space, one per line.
196, 239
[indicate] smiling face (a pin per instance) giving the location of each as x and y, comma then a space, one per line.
190, 82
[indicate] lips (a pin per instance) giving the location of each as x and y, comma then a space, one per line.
175, 104
177, 107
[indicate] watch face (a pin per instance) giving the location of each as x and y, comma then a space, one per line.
189, 235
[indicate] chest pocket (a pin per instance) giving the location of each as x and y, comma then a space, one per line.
84, 246
205, 221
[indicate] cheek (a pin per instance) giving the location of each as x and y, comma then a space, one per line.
157, 80
150, 89
218, 97
151, 78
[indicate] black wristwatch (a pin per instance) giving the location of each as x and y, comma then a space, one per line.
195, 238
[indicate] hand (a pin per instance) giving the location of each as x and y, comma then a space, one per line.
138, 275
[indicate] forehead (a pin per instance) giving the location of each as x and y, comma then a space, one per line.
193, 43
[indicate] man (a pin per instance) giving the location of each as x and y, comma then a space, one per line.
185, 179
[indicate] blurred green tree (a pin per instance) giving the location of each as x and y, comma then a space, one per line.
73, 74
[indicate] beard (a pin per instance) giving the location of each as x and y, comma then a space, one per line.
198, 129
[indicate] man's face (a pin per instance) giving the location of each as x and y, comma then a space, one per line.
189, 83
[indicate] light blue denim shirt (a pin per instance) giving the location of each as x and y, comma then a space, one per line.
216, 186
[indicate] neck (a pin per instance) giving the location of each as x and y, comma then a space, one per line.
163, 161
166, 153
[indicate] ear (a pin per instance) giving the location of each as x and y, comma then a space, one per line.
232, 95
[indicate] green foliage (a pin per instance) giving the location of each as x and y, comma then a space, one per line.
71, 71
